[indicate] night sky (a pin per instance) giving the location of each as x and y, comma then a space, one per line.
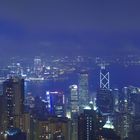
87, 27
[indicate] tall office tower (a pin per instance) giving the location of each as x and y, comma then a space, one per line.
74, 105
104, 78
1, 88
90, 124
128, 118
104, 95
83, 90
116, 93
13, 92
37, 65
105, 101
1, 113
52, 128
134, 101
124, 118
135, 130
56, 103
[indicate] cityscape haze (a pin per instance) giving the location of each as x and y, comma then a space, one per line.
69, 70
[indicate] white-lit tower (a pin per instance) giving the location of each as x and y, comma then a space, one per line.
74, 105
83, 90
37, 65
104, 78
105, 101
74, 109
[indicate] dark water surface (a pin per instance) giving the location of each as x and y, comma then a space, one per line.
120, 76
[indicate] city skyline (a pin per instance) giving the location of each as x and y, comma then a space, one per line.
69, 70
74, 98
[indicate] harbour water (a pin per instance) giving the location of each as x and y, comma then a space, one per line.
120, 76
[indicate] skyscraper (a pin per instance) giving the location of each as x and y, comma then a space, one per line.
74, 104
1, 112
105, 101
83, 90
116, 99
89, 125
126, 111
37, 65
56, 103
104, 78
108, 132
74, 109
13, 96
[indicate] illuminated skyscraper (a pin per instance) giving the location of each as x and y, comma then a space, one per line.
1, 88
104, 78
1, 112
105, 100
125, 113
37, 65
108, 132
116, 99
56, 103
133, 99
74, 107
89, 125
74, 99
83, 90
13, 92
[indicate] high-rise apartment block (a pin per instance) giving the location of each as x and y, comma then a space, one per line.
13, 98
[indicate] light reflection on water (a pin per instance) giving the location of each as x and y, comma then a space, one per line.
120, 76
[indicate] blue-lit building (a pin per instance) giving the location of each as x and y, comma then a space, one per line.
14, 134
56, 103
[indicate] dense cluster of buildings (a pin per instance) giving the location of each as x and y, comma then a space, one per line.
51, 67
111, 114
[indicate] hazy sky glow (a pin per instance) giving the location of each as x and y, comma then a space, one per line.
62, 26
